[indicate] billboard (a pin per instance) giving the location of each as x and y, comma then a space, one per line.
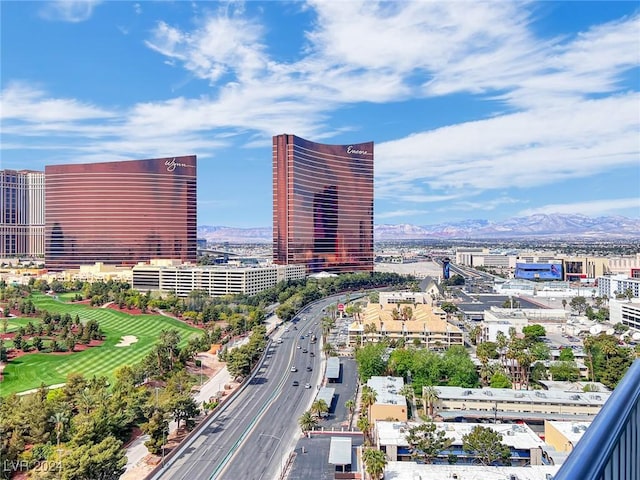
539, 271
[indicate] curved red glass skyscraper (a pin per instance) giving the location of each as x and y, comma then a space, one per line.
120, 213
322, 205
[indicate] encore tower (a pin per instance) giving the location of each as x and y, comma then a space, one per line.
120, 213
322, 205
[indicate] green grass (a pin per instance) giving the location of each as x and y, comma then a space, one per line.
67, 296
29, 371
15, 323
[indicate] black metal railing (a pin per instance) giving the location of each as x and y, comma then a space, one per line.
610, 448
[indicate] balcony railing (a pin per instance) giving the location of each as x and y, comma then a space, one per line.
610, 448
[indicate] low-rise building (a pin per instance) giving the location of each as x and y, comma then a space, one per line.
418, 324
415, 471
511, 405
627, 313
563, 436
526, 447
390, 403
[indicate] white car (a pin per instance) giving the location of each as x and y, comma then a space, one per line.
294, 369
307, 385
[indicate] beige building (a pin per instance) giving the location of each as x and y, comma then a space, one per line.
411, 323
390, 403
215, 280
508, 404
563, 436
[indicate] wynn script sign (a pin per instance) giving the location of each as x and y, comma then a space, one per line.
172, 164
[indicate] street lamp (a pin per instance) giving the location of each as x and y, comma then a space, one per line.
281, 467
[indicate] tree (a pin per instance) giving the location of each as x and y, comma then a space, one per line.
578, 304
564, 371
101, 461
486, 445
374, 462
426, 441
158, 430
350, 405
364, 425
533, 333
185, 408
566, 355
500, 380
307, 422
449, 307
319, 407
370, 361
367, 398
59, 419
430, 397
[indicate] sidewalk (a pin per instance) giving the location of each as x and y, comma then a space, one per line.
138, 464
137, 453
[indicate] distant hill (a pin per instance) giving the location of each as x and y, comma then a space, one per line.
540, 226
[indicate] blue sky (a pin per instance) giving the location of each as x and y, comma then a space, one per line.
477, 110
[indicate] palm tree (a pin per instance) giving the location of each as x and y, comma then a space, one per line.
364, 426
357, 309
368, 398
307, 422
328, 349
350, 405
369, 328
59, 419
430, 396
374, 461
409, 394
319, 407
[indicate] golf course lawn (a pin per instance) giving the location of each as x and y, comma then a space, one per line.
30, 371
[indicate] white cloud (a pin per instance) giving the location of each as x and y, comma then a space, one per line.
591, 208
29, 104
537, 147
565, 114
68, 10
400, 213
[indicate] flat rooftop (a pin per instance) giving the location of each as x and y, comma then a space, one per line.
519, 437
415, 471
388, 390
522, 396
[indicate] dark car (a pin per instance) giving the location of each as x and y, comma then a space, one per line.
304, 351
295, 383
311, 354
308, 369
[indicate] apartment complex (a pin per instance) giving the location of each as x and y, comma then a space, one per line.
120, 213
411, 323
322, 205
215, 280
21, 213
525, 446
507, 404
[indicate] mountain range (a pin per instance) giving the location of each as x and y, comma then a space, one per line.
539, 226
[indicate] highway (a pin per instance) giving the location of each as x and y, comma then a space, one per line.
253, 436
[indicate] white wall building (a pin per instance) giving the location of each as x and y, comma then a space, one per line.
215, 280
609, 286
628, 313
